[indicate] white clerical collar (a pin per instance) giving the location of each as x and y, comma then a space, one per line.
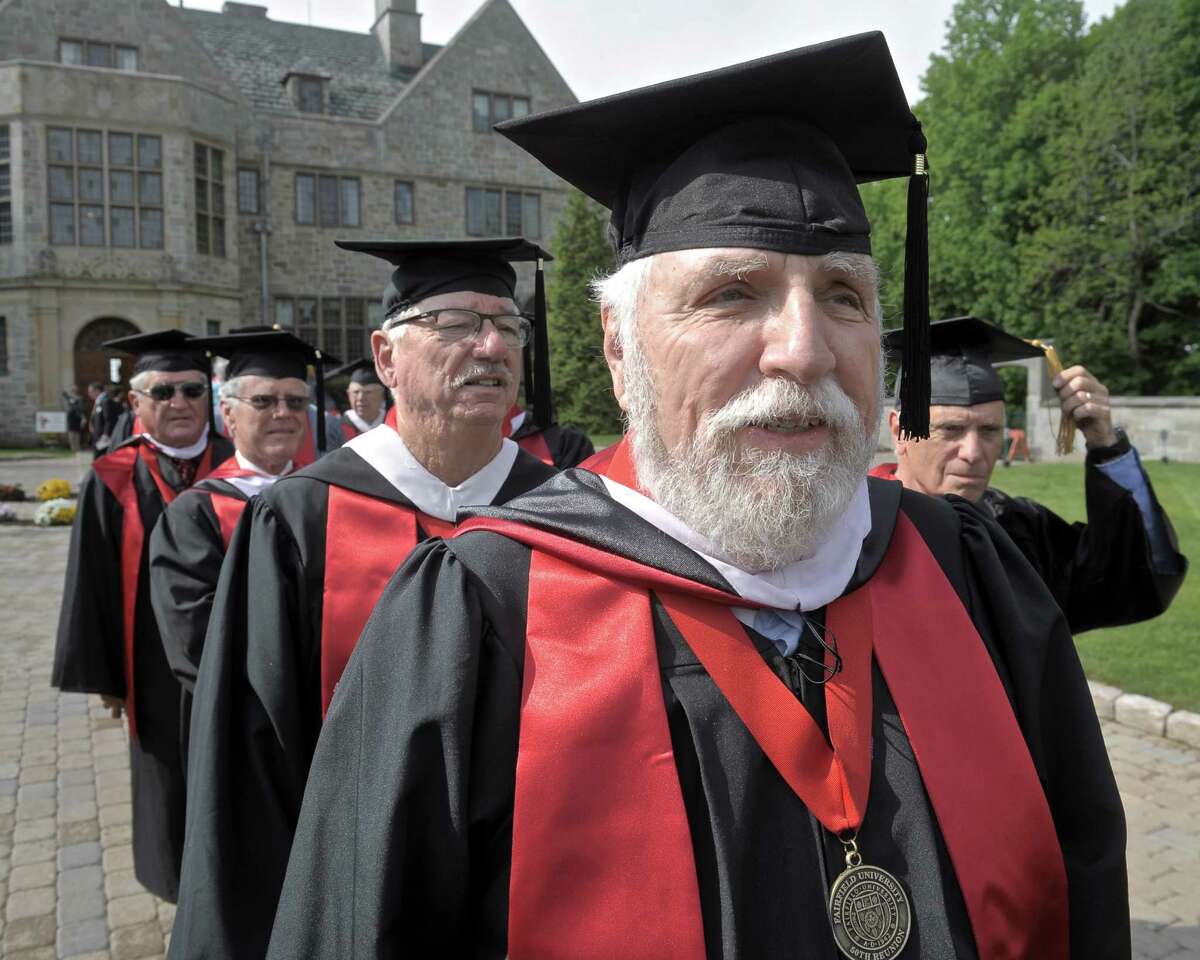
362, 425
261, 479
804, 585
515, 423
182, 453
383, 449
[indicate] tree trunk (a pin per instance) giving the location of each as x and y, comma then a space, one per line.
1132, 320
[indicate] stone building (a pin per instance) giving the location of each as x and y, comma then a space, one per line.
162, 167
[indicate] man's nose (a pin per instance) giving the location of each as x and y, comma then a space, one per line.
971, 447
795, 342
489, 344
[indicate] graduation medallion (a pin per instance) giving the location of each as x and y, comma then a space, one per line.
868, 910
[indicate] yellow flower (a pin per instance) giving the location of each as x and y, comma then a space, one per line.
55, 489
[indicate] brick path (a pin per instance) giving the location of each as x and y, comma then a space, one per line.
66, 878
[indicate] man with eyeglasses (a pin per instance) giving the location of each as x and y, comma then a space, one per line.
264, 404
311, 555
108, 640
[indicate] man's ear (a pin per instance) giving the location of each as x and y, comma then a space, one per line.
614, 355
381, 351
134, 399
894, 427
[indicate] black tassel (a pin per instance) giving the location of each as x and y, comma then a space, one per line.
543, 398
914, 379
527, 375
212, 400
320, 368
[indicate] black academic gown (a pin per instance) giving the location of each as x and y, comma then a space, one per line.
257, 711
187, 549
90, 658
569, 446
1100, 572
404, 842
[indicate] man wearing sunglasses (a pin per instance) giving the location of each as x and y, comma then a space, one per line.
264, 404
311, 555
108, 641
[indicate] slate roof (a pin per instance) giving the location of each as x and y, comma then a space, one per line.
257, 53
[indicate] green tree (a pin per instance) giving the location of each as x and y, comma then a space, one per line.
582, 386
1116, 260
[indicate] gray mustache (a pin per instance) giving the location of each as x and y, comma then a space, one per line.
483, 370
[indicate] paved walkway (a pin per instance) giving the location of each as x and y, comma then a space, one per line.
66, 880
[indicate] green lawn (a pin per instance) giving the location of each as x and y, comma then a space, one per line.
602, 440
1159, 658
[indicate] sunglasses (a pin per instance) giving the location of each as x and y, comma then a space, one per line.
265, 401
162, 392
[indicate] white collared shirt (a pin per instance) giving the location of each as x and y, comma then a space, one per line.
360, 424
803, 585
261, 479
390, 457
182, 453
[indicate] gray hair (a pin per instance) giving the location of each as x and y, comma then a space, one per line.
140, 381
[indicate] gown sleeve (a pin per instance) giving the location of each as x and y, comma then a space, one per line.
186, 553
571, 446
1101, 573
404, 841
1028, 637
251, 736
89, 654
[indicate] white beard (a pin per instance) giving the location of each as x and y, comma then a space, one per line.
761, 509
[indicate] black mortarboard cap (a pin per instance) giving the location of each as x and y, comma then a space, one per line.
426, 268
359, 371
269, 351
765, 154
963, 350
167, 351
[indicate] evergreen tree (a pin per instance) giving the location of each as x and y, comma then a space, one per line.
582, 387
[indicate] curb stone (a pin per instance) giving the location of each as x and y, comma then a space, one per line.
1146, 714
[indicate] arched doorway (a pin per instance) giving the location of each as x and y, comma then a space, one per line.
92, 357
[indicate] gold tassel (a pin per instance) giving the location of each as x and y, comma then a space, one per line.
1065, 441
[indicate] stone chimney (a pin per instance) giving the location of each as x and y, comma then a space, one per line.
244, 10
398, 29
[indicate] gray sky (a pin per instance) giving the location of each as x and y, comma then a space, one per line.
605, 46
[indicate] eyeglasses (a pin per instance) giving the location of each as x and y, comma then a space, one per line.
455, 323
162, 392
265, 401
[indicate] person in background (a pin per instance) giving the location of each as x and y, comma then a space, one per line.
108, 641
73, 403
1121, 566
365, 407
263, 401
106, 410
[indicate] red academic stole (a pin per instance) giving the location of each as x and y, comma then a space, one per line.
884, 471
228, 509
116, 472
534, 444
366, 540
602, 861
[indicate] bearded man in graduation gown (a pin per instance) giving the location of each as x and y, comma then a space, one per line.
1120, 567
264, 400
733, 699
108, 641
311, 555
